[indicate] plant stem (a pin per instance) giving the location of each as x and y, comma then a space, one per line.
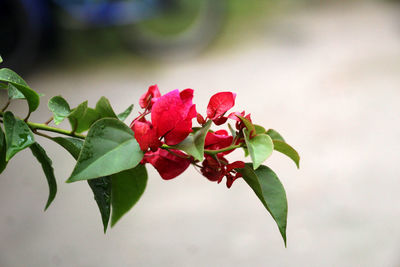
208, 151
40, 126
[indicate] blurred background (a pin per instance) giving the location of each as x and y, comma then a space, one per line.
325, 74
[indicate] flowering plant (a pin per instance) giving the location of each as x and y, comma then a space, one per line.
112, 157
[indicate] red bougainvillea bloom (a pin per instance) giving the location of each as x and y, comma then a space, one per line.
219, 104
145, 135
215, 170
172, 116
148, 99
167, 164
218, 140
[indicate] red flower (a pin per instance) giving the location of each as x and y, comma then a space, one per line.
172, 116
167, 164
219, 104
145, 135
215, 170
147, 100
218, 140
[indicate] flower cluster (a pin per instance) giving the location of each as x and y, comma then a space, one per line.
171, 123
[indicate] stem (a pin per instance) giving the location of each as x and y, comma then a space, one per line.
40, 126
48, 121
6, 106
208, 151
44, 127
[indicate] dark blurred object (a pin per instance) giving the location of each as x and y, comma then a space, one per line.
162, 28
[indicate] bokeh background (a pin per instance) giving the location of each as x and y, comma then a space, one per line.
325, 74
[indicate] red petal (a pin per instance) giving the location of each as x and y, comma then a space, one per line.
172, 115
167, 164
145, 135
235, 165
145, 100
219, 104
217, 140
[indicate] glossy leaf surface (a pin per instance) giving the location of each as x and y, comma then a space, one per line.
110, 147
18, 135
77, 114
9, 76
48, 170
268, 188
60, 108
127, 188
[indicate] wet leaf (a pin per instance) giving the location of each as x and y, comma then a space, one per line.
9, 76
110, 147
18, 135
60, 108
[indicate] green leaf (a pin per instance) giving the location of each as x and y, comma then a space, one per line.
1, 59
123, 115
72, 145
77, 114
275, 135
60, 108
194, 143
249, 125
259, 129
9, 76
103, 107
3, 151
260, 147
127, 188
87, 120
288, 151
48, 170
101, 188
14, 93
18, 135
110, 147
265, 183
233, 132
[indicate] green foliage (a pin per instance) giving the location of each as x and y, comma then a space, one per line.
72, 145
275, 135
288, 151
60, 108
260, 147
14, 93
265, 183
127, 188
77, 115
9, 76
101, 188
110, 147
18, 135
123, 115
3, 150
48, 170
194, 143
104, 109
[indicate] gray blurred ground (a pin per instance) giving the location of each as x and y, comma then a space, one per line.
326, 78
